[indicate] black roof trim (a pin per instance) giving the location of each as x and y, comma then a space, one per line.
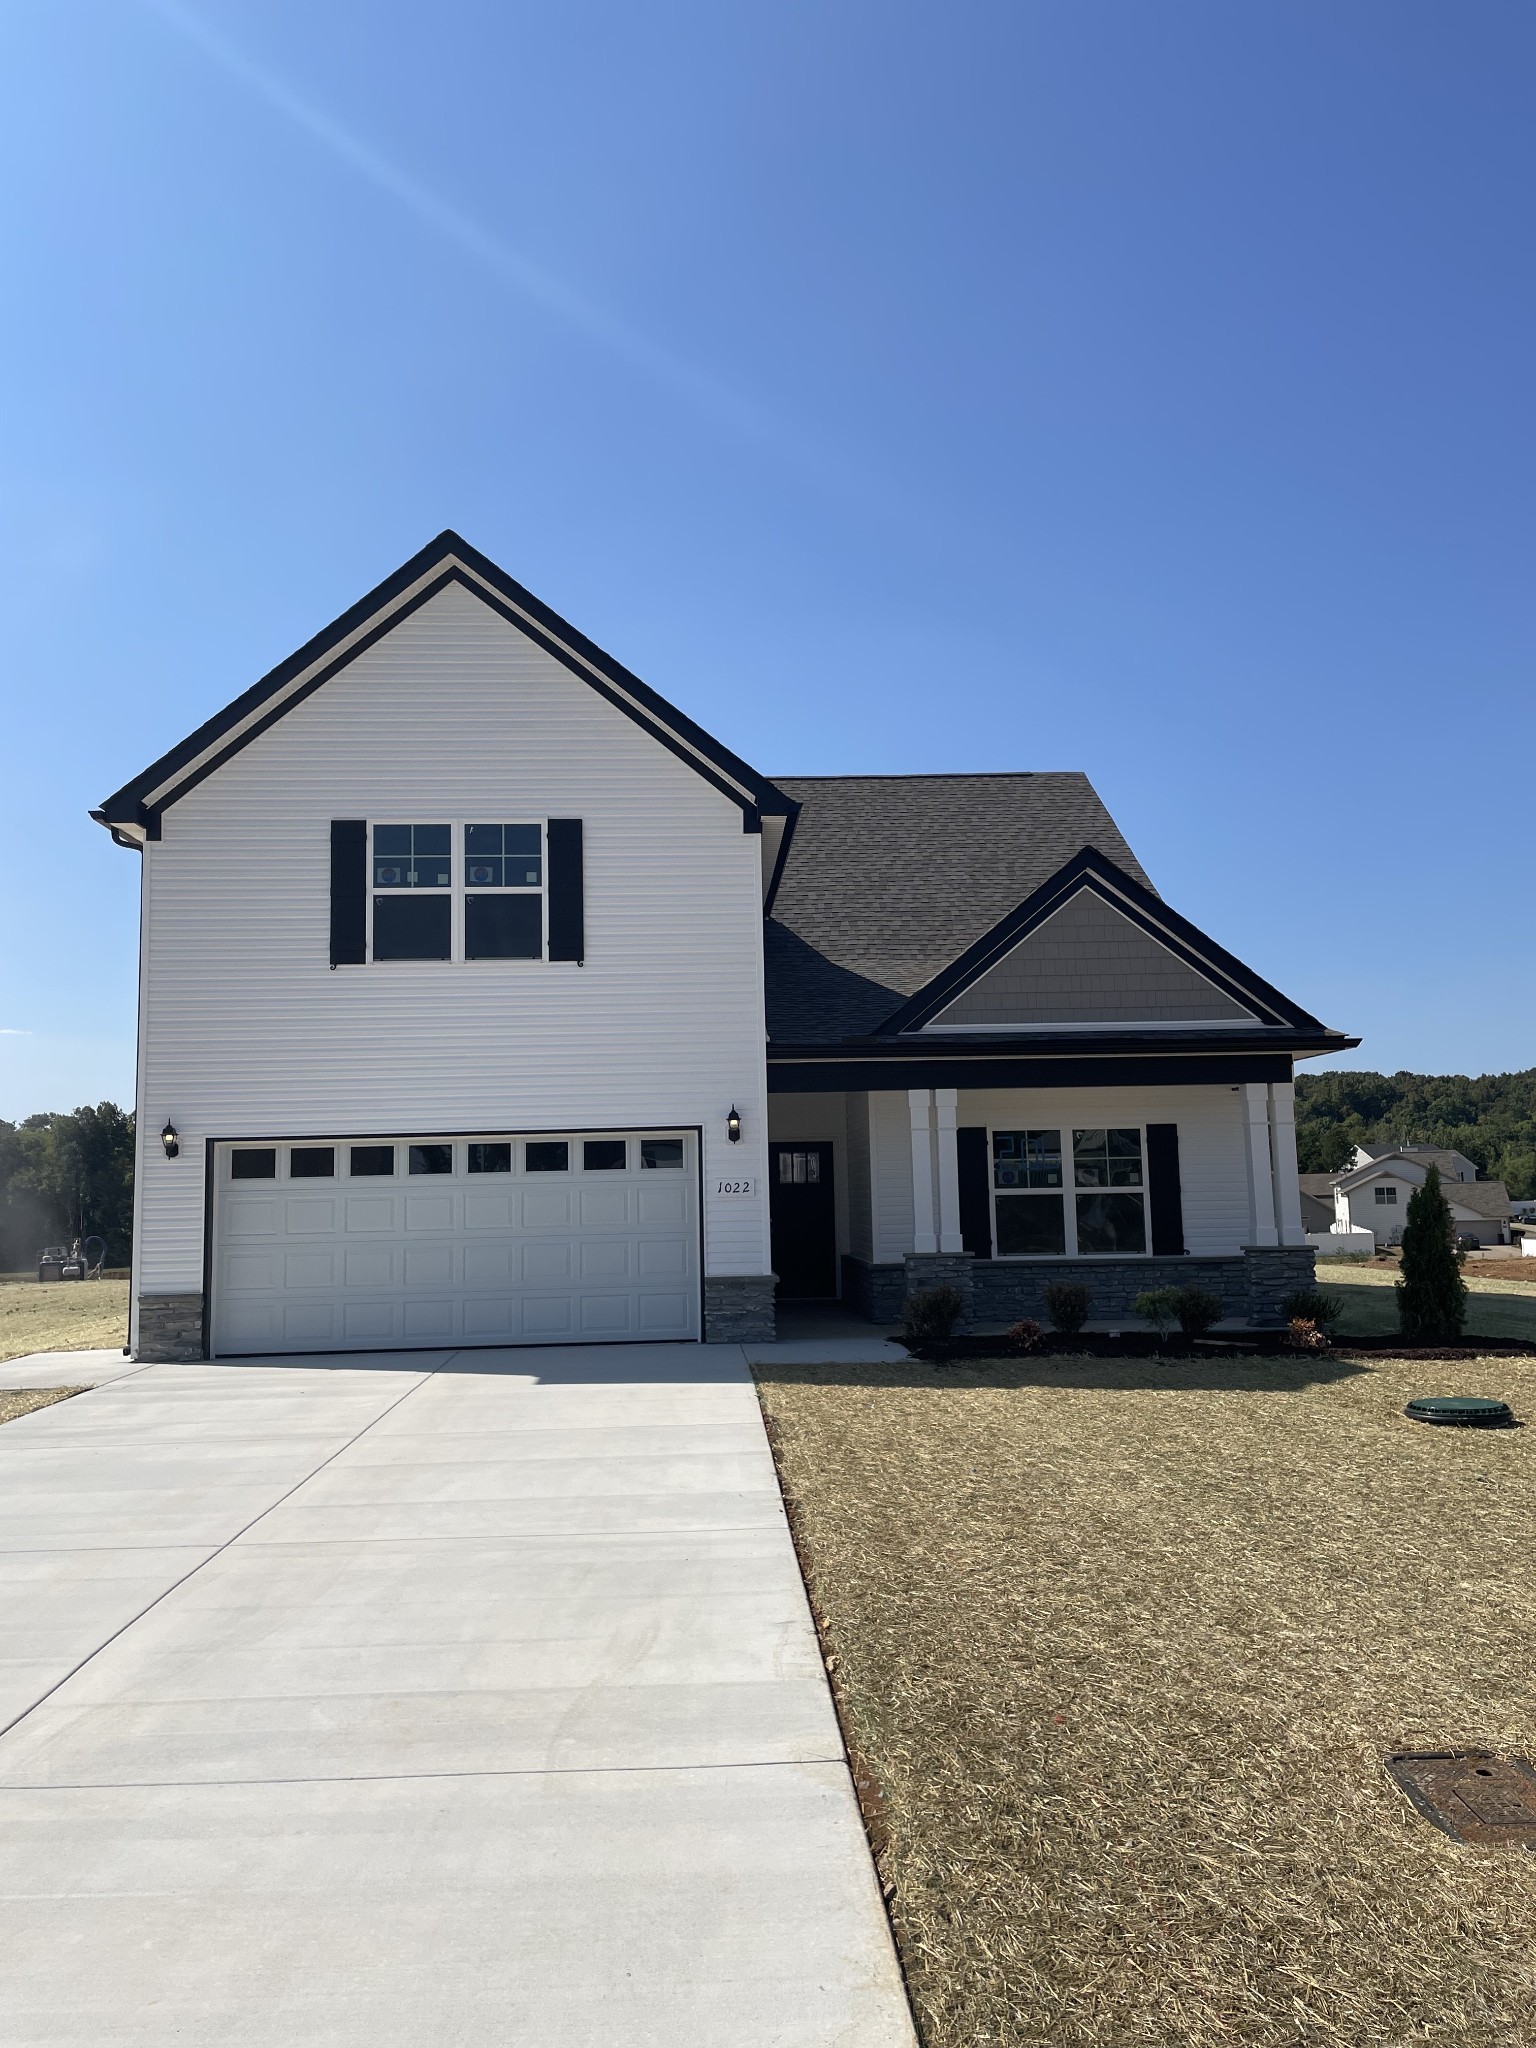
1093, 870
850, 1071
175, 772
1100, 1042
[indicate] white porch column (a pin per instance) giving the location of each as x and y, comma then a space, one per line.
1261, 1172
920, 1105
946, 1105
1282, 1142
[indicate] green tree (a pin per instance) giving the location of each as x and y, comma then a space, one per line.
1431, 1296
64, 1176
1491, 1118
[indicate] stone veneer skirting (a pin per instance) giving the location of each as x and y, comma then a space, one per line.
170, 1329
738, 1308
1252, 1283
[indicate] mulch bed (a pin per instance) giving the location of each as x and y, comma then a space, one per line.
1257, 1344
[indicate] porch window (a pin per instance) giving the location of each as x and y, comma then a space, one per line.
1113, 1220
1027, 1183
1103, 1216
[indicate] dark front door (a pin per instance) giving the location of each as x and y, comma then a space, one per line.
804, 1220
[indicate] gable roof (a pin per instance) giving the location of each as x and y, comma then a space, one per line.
1480, 1197
888, 877
133, 812
1391, 1164
1090, 870
1088, 962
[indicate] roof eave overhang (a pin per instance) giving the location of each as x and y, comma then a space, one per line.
137, 807
1121, 1059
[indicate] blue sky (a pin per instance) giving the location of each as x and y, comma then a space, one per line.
1144, 389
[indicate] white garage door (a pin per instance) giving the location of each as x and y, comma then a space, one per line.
364, 1244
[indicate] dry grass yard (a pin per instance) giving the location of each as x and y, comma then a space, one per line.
1123, 1647
21, 1401
64, 1315
1497, 1306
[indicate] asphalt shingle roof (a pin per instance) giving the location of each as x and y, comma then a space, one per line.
891, 877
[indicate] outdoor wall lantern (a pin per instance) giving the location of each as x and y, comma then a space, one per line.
733, 1125
170, 1139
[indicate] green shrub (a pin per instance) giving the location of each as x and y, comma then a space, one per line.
1313, 1305
1160, 1307
1431, 1296
1068, 1303
1197, 1310
929, 1314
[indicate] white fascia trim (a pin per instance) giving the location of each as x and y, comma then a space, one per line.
1094, 1024
371, 624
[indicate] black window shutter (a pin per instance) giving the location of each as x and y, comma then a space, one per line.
975, 1190
349, 892
1165, 1196
567, 912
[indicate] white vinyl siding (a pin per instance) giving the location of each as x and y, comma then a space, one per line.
861, 1238
249, 1033
890, 1174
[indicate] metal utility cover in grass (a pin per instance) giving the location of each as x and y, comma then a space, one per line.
1471, 1795
1461, 1411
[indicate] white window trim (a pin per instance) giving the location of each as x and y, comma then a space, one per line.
458, 889
1068, 1193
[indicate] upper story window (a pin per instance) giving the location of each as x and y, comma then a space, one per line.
1034, 1215
1385, 1194
457, 892
413, 892
503, 892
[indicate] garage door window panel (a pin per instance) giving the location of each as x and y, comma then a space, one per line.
604, 1155
312, 1162
369, 1161
431, 1159
254, 1163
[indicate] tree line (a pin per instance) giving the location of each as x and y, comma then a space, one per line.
64, 1176
1491, 1119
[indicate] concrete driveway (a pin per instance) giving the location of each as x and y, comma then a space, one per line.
447, 1698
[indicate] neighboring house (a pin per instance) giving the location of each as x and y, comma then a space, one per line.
1317, 1204
485, 998
1374, 1194
1452, 1165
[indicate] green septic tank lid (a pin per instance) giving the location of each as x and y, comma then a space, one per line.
1469, 1411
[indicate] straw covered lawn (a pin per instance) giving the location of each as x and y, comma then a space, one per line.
1122, 1648
16, 1401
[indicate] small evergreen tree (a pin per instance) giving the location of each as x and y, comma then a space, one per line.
1431, 1296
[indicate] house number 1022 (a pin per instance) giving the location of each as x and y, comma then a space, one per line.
733, 1187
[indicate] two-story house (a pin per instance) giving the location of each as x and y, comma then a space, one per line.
1374, 1191
485, 998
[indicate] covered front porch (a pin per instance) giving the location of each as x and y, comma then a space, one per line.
1000, 1191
